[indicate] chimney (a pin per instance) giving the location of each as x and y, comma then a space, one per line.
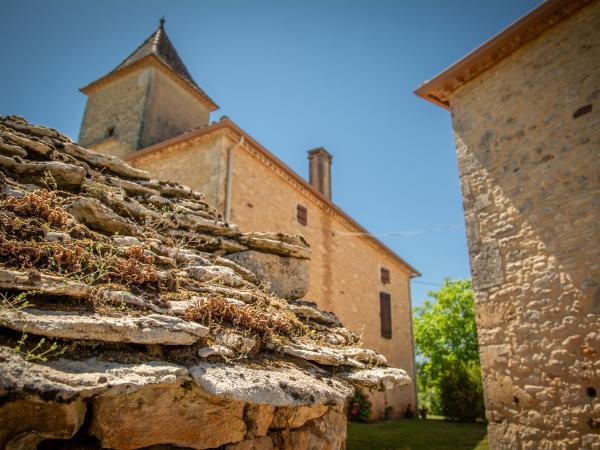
320, 170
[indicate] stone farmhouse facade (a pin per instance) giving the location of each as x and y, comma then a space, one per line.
526, 116
150, 112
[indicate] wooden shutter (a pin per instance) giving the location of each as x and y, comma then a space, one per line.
385, 308
385, 276
302, 215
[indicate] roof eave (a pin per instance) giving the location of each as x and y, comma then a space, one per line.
439, 89
225, 122
146, 60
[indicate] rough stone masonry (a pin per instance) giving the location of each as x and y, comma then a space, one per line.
131, 316
527, 136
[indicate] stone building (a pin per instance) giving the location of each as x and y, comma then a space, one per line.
526, 116
150, 112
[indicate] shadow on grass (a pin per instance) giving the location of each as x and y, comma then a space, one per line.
417, 435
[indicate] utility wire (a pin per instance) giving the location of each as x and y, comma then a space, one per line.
427, 283
405, 233
402, 233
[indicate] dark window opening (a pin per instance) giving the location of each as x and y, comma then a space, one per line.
385, 313
302, 215
110, 132
591, 392
385, 276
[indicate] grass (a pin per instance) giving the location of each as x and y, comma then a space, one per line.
417, 435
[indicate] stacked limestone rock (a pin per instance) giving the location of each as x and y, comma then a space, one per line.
132, 316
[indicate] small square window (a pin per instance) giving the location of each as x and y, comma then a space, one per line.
110, 132
302, 215
385, 276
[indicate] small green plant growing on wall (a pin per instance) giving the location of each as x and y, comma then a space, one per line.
17, 303
40, 351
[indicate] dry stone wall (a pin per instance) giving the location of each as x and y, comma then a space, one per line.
127, 320
528, 145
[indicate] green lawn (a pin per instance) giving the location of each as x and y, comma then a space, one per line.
417, 435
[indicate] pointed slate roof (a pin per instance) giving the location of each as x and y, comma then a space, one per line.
160, 46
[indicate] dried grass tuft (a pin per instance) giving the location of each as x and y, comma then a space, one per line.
259, 318
40, 204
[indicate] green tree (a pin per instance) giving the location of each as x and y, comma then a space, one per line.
460, 392
447, 348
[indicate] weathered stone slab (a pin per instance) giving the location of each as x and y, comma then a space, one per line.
322, 355
235, 341
126, 241
286, 238
46, 284
99, 217
365, 355
258, 419
229, 292
280, 244
258, 443
217, 275
119, 297
152, 329
65, 380
207, 242
197, 223
160, 201
133, 208
182, 416
24, 423
23, 142
288, 277
383, 378
325, 433
277, 386
290, 418
131, 187
102, 161
309, 310
216, 350
197, 211
66, 176
185, 256
11, 150
178, 191
246, 274
20, 124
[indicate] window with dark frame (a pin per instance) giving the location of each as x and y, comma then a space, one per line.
385, 276
302, 215
385, 313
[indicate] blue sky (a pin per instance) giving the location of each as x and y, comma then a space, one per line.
295, 75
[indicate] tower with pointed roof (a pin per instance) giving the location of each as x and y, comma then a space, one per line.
149, 98
151, 113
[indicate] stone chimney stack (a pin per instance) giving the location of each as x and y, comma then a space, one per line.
320, 170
